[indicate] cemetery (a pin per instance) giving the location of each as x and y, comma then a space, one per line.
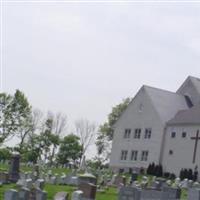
21, 182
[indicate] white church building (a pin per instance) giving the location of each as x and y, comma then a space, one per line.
159, 126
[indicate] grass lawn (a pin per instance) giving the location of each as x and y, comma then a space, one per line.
110, 194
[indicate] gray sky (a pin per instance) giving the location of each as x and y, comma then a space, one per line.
83, 58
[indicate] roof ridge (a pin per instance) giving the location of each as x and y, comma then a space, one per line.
163, 90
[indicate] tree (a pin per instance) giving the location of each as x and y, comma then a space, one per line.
23, 118
7, 125
70, 149
59, 123
86, 131
14, 116
105, 132
5, 154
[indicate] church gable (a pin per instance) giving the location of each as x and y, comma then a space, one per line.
140, 107
166, 103
191, 90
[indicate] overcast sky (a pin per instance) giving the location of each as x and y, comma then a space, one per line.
83, 58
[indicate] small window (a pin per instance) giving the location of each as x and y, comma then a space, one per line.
184, 134
141, 107
147, 134
134, 155
144, 156
124, 154
173, 134
127, 133
137, 133
171, 152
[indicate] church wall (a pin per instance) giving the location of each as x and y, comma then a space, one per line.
182, 148
140, 114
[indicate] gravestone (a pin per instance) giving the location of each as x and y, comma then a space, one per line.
61, 196
194, 194
77, 195
118, 180
53, 180
14, 168
184, 183
148, 194
28, 183
156, 185
11, 195
129, 193
169, 193
87, 178
89, 190
161, 182
4, 178
24, 193
40, 195
40, 183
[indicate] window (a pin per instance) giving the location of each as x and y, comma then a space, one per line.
144, 156
173, 134
134, 155
147, 134
141, 107
137, 133
184, 134
124, 154
127, 133
171, 152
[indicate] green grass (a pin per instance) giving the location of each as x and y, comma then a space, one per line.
110, 194
4, 188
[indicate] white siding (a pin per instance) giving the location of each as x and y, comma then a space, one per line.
182, 148
134, 118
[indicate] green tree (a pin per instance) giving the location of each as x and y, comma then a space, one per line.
21, 111
105, 133
70, 149
5, 154
7, 125
15, 113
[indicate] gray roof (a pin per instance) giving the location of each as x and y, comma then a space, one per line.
166, 103
194, 80
191, 116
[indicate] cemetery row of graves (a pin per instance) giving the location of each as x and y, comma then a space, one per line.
39, 182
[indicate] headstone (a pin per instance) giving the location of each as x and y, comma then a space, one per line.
77, 195
194, 194
11, 195
53, 180
156, 185
148, 194
61, 196
87, 178
40, 195
4, 178
129, 193
161, 182
190, 183
24, 194
62, 179
118, 180
196, 185
89, 190
14, 168
169, 193
28, 183
184, 183
40, 183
